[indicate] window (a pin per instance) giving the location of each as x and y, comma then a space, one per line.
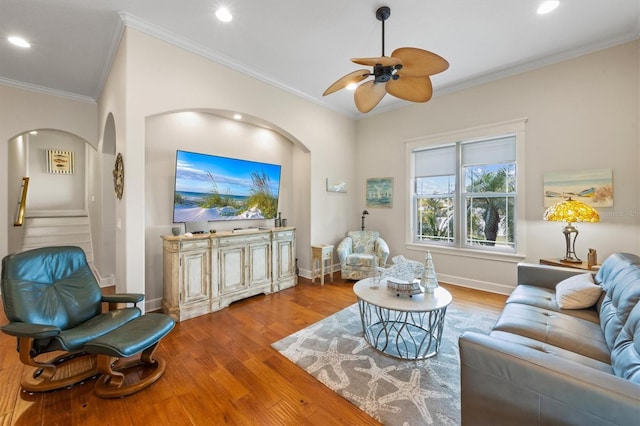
465, 192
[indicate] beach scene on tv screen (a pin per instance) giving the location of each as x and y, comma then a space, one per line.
212, 188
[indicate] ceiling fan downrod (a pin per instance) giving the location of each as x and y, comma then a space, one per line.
383, 14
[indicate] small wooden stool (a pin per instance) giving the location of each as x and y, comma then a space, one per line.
321, 254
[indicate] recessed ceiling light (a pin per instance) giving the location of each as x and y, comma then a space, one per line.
223, 14
237, 117
351, 86
548, 6
18, 41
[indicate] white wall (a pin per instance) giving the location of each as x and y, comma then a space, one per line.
23, 110
55, 191
582, 114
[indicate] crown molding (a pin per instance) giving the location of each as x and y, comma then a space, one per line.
153, 30
46, 90
116, 36
536, 64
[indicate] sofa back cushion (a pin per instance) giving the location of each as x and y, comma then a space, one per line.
49, 286
363, 241
619, 277
625, 354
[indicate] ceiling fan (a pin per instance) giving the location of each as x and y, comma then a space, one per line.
404, 74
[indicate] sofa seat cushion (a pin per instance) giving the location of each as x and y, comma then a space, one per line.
74, 338
361, 260
555, 328
546, 299
553, 350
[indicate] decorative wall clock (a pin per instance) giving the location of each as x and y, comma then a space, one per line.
118, 176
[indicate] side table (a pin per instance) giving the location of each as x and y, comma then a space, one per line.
575, 265
321, 254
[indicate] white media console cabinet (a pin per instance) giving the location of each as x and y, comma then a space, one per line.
207, 272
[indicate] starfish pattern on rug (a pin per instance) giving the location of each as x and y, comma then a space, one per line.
370, 404
294, 351
331, 360
412, 391
359, 341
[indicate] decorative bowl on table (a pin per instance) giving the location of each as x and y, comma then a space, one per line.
404, 287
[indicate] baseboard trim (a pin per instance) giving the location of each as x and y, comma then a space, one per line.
153, 305
476, 284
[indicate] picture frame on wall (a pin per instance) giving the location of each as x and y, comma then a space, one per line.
379, 192
593, 187
336, 185
60, 162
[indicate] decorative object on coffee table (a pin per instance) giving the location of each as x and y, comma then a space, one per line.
429, 280
404, 287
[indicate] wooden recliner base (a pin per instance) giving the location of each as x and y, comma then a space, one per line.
60, 372
115, 382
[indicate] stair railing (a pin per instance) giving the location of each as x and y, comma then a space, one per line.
22, 202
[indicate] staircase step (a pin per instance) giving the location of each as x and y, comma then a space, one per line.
47, 231
55, 230
55, 221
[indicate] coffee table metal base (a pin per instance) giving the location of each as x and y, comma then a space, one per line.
405, 335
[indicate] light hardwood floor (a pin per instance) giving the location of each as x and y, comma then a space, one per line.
221, 369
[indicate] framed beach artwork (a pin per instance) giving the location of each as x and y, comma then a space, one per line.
592, 187
336, 185
379, 192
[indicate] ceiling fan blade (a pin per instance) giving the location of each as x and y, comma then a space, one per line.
368, 95
418, 62
353, 77
385, 61
415, 89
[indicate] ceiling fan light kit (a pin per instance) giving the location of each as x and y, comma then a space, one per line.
405, 74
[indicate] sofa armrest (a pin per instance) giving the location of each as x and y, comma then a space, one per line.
33, 331
506, 383
134, 298
344, 249
382, 251
544, 275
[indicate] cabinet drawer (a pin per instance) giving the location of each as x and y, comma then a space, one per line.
283, 235
194, 245
244, 239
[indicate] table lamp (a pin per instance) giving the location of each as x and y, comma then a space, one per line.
571, 211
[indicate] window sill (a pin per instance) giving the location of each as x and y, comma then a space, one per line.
470, 253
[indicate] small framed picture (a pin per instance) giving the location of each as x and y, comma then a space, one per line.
60, 162
379, 192
336, 185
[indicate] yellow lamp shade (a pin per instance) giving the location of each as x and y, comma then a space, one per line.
571, 211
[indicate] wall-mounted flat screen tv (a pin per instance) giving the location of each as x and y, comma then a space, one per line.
211, 188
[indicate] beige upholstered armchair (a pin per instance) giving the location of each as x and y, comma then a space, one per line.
360, 252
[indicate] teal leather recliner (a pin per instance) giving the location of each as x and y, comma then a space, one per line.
54, 303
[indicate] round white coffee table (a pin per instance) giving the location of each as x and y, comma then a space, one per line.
402, 326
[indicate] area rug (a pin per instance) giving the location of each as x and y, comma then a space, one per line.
392, 391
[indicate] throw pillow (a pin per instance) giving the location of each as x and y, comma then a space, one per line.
577, 292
